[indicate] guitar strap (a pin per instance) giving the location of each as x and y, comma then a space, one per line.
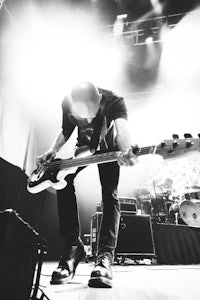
98, 125
98, 122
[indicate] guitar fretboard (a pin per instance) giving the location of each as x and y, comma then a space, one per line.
92, 159
97, 158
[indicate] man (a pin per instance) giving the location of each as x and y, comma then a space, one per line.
101, 118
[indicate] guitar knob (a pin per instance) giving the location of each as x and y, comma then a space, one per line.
187, 135
175, 136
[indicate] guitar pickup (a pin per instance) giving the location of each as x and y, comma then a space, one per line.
187, 135
175, 136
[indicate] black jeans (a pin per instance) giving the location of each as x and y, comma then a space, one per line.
68, 212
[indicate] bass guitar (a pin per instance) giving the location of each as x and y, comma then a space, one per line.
52, 174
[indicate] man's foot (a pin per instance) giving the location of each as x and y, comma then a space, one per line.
101, 276
68, 263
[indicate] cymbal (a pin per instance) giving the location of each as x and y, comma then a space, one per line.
190, 191
197, 187
190, 212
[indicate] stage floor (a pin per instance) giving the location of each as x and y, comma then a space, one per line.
130, 282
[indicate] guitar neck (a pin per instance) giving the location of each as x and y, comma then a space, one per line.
98, 158
88, 160
167, 149
147, 150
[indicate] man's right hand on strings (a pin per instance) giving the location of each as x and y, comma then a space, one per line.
46, 157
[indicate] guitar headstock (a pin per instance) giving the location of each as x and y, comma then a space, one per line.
177, 147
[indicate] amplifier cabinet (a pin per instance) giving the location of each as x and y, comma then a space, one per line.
135, 235
177, 244
128, 205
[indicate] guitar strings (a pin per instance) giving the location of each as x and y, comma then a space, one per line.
105, 156
83, 161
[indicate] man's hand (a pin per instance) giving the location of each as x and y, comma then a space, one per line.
127, 158
123, 141
46, 157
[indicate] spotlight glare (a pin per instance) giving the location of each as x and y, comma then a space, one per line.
124, 16
50, 50
149, 40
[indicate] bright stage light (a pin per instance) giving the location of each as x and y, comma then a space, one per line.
50, 49
180, 56
149, 40
179, 74
157, 6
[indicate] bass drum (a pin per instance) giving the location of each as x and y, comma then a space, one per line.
189, 211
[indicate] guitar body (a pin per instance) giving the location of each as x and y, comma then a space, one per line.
44, 176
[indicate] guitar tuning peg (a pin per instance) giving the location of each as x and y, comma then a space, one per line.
187, 135
175, 136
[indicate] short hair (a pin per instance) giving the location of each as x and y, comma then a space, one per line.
85, 91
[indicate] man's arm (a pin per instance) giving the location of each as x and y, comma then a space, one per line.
123, 140
56, 146
59, 142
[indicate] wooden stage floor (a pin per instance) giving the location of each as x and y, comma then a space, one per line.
130, 282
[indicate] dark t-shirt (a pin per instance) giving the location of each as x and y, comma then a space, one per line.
112, 108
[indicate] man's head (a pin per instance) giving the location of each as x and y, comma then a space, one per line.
85, 99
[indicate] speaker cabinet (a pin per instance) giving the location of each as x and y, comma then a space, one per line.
135, 237
128, 205
18, 256
176, 244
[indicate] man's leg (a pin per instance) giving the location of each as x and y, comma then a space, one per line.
73, 251
102, 274
68, 212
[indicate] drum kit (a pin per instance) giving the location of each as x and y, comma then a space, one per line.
177, 209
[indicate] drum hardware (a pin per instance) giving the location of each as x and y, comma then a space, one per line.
177, 211
159, 219
146, 207
157, 208
173, 213
176, 218
192, 194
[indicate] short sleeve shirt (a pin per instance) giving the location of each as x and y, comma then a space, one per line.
114, 107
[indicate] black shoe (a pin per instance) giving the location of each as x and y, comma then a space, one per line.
68, 263
101, 276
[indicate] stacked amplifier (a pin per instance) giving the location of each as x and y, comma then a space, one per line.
128, 205
138, 238
135, 237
